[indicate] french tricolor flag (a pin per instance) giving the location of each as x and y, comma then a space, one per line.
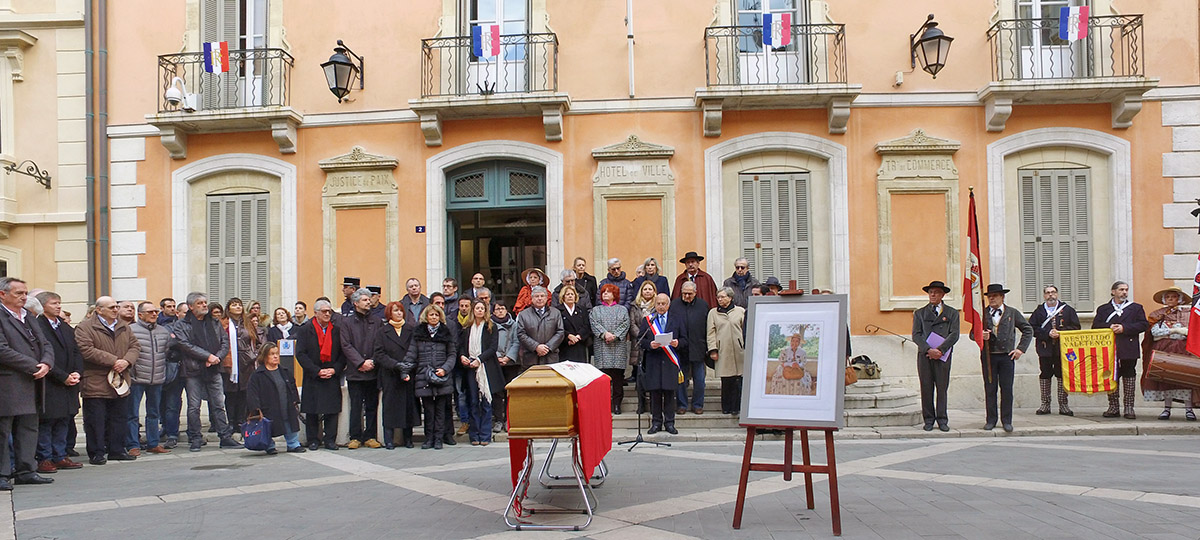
485, 40
1073, 23
216, 56
777, 29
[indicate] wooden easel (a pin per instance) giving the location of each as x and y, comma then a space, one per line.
787, 468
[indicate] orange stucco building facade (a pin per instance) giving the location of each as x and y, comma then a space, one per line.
650, 129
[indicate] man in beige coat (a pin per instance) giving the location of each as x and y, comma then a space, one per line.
107, 345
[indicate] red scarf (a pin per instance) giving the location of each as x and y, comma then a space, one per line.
325, 340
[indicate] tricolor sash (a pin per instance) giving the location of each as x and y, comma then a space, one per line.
666, 348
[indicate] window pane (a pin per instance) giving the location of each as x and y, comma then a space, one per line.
783, 5
483, 11
514, 9
749, 5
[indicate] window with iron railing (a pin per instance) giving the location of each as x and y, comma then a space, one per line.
797, 54
1034, 48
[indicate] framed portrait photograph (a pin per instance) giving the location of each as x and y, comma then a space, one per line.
795, 361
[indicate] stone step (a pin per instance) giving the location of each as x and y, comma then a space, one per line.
908, 415
707, 420
890, 399
868, 386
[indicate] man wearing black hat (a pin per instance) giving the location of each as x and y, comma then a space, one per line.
706, 287
999, 324
377, 307
937, 323
349, 285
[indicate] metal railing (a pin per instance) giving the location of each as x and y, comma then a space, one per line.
525, 63
256, 78
1031, 49
736, 56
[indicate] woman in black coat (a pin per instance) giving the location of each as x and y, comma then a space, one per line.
577, 329
400, 410
272, 391
483, 376
428, 362
322, 400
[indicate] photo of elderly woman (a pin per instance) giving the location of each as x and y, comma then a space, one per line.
792, 359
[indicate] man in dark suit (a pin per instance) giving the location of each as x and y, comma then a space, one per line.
1000, 322
60, 401
25, 357
933, 363
1127, 319
661, 376
1047, 320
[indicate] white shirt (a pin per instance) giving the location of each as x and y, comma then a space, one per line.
20, 316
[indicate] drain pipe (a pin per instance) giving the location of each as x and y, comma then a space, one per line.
89, 178
629, 37
105, 249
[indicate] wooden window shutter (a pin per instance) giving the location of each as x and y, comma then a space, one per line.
262, 249
1056, 235
215, 260
775, 226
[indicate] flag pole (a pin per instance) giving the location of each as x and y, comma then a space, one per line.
973, 232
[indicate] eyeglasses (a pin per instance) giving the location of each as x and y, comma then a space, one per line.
741, 267
152, 311
326, 310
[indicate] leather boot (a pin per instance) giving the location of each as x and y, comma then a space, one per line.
1128, 385
1044, 386
1114, 405
408, 436
1063, 409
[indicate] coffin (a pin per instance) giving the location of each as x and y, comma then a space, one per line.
541, 404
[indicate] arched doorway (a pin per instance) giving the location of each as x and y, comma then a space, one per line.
496, 223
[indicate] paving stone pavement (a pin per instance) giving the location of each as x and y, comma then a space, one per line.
1125, 486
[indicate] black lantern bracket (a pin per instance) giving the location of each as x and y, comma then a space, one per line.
31, 169
927, 32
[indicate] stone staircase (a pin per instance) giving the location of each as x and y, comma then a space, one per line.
874, 403
868, 403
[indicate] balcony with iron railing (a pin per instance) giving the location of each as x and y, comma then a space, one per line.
806, 68
252, 95
1034, 62
520, 79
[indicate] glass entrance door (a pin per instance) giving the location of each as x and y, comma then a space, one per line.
500, 244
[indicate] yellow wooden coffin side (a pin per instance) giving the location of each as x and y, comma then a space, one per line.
541, 404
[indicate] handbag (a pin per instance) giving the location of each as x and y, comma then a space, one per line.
865, 368
256, 432
851, 375
793, 373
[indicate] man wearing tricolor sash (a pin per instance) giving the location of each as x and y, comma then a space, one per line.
1127, 319
661, 375
1047, 320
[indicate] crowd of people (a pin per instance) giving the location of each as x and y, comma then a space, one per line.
936, 329
127, 366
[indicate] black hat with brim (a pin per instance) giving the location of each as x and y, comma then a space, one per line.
691, 255
936, 285
995, 288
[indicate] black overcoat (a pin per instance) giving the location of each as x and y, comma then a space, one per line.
1133, 321
430, 352
400, 407
262, 395
660, 373
321, 396
580, 325
61, 401
487, 355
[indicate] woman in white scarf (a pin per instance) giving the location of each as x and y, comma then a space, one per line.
478, 342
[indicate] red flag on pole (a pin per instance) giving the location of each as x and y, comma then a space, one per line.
972, 307
1193, 340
